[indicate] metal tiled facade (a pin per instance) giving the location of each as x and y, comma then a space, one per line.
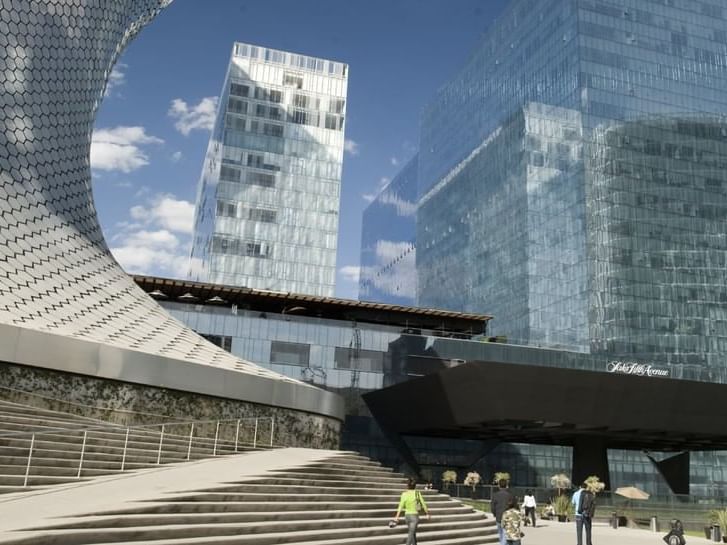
59, 284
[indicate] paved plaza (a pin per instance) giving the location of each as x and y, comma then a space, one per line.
555, 533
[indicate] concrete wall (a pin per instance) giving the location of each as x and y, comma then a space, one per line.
134, 404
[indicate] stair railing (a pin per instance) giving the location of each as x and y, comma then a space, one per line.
221, 443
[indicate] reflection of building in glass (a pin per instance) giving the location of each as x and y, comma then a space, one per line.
502, 230
571, 181
388, 252
657, 235
267, 207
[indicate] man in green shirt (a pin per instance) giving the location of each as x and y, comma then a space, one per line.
411, 503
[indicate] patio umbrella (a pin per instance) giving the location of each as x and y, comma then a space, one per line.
632, 493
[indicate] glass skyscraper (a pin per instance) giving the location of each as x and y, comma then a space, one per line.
572, 181
269, 194
388, 251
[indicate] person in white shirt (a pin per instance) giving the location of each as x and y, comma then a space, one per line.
529, 506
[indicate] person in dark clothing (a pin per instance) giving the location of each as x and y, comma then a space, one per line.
585, 507
499, 503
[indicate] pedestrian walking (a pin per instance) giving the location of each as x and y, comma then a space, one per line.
411, 503
584, 504
498, 505
512, 523
529, 505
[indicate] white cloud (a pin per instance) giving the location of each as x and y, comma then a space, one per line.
403, 207
383, 182
350, 273
176, 156
120, 148
351, 147
117, 78
157, 238
188, 118
151, 260
167, 212
394, 271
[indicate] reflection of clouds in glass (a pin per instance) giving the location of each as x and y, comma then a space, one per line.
403, 207
394, 272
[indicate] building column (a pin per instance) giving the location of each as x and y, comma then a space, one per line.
590, 457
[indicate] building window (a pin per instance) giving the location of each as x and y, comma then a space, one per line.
273, 129
300, 117
228, 209
336, 105
229, 174
260, 110
290, 353
260, 178
300, 101
234, 246
359, 360
222, 341
237, 105
292, 80
333, 122
239, 90
260, 214
254, 160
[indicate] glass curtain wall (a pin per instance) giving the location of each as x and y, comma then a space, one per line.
268, 203
388, 242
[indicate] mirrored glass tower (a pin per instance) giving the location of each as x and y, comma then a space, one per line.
572, 181
269, 193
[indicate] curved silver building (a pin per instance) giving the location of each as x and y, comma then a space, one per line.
65, 304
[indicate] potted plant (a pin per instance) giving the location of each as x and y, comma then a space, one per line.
501, 476
472, 480
560, 482
562, 507
449, 477
717, 517
594, 484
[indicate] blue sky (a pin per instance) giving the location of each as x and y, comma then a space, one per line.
152, 129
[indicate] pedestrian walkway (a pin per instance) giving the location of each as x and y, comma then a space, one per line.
557, 533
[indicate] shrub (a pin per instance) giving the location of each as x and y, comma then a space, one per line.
472, 479
594, 484
501, 476
560, 481
449, 477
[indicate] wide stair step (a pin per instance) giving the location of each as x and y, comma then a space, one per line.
349, 505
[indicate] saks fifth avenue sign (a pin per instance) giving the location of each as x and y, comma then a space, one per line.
638, 369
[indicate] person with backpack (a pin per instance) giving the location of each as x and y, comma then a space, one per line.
512, 522
411, 502
676, 534
498, 505
584, 503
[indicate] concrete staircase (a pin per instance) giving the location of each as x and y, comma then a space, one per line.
341, 499
40, 447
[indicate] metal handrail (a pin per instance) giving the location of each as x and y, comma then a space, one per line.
127, 430
119, 427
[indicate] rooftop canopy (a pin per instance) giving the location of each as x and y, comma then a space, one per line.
312, 305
